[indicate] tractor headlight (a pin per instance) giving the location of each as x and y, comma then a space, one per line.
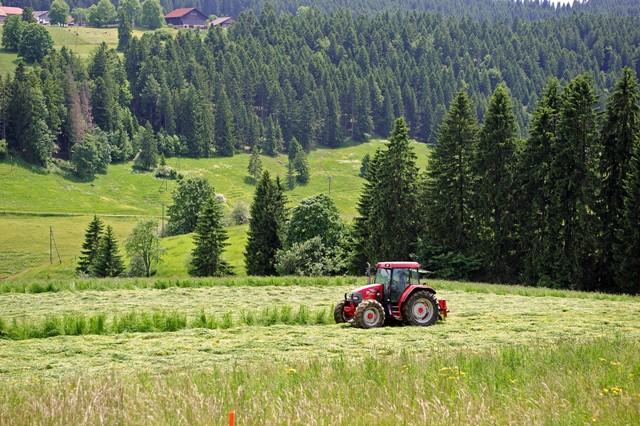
355, 297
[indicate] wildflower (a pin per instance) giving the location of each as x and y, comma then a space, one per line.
615, 364
593, 420
291, 371
603, 359
513, 381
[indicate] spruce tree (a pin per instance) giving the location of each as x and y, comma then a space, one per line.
620, 130
266, 227
493, 177
627, 244
533, 194
224, 137
27, 129
388, 206
125, 29
108, 261
573, 187
291, 176
448, 184
210, 240
301, 166
148, 157
255, 164
90, 246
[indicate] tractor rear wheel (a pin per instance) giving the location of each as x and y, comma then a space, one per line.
421, 308
369, 314
338, 313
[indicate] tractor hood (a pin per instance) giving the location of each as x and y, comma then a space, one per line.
370, 291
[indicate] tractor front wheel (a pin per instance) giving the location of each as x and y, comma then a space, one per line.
421, 308
369, 314
338, 313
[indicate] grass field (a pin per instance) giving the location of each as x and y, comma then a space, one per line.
34, 201
81, 40
505, 355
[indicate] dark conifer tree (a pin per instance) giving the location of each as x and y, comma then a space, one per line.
388, 207
108, 261
620, 130
255, 164
27, 129
449, 181
493, 175
627, 244
301, 165
266, 227
125, 29
210, 240
148, 156
532, 180
573, 186
224, 139
90, 246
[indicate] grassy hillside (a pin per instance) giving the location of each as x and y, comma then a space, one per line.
33, 201
81, 40
267, 349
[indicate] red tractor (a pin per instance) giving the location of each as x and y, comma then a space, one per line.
395, 296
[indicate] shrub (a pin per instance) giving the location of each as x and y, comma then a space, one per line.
4, 148
240, 213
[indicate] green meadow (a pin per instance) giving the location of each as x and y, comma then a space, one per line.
188, 351
81, 40
35, 202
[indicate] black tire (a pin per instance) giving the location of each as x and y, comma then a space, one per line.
369, 314
338, 313
413, 307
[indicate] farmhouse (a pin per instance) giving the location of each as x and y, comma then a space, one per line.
42, 16
6, 11
186, 17
224, 22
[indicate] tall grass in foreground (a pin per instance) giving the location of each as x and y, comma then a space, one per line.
576, 382
156, 321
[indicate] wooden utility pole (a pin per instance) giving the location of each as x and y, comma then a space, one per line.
52, 244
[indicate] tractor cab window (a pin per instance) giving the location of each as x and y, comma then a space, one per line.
382, 276
400, 280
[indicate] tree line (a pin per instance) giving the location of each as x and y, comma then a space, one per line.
314, 77
480, 10
559, 208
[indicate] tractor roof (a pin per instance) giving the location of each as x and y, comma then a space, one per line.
397, 265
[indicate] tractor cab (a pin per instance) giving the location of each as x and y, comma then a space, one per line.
395, 279
394, 296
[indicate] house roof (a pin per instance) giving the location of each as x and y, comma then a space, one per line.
38, 13
179, 13
220, 20
7, 10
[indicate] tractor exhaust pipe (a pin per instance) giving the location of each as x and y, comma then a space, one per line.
368, 273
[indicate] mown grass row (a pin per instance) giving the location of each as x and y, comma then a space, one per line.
156, 321
573, 382
53, 286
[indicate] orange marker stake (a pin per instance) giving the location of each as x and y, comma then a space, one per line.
232, 418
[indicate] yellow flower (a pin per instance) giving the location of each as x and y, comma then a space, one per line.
291, 371
615, 364
603, 359
593, 420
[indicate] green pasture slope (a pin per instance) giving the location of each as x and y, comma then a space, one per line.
81, 40
34, 201
188, 351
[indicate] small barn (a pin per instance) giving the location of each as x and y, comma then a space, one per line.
6, 11
186, 17
224, 22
